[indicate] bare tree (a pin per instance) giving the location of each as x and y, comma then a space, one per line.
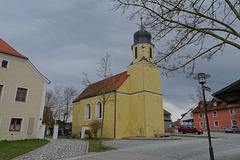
59, 99
197, 96
103, 72
69, 93
188, 29
85, 80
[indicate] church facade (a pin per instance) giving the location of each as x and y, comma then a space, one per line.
135, 105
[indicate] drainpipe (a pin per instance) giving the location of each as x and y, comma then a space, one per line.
115, 112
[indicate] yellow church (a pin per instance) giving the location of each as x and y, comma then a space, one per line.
136, 105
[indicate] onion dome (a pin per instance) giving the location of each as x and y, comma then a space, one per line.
142, 36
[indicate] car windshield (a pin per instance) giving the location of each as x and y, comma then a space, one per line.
228, 127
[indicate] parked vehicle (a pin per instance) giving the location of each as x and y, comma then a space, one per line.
189, 129
232, 129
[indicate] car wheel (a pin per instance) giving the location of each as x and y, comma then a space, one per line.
233, 131
197, 133
181, 132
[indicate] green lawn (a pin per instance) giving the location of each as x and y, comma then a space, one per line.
11, 149
95, 147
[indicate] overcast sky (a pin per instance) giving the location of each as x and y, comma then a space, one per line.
64, 38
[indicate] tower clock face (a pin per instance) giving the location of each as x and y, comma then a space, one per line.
143, 47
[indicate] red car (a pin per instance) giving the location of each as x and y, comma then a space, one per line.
189, 129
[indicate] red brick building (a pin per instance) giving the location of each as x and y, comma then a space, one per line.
220, 115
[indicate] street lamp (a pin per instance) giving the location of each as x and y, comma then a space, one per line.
201, 77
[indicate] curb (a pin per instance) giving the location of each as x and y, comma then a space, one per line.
151, 138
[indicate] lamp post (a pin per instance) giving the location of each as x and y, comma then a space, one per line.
201, 77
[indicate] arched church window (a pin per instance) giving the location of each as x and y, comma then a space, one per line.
88, 112
136, 53
150, 52
99, 109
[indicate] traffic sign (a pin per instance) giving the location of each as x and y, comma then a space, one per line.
206, 88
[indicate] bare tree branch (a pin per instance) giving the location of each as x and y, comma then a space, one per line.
207, 26
59, 100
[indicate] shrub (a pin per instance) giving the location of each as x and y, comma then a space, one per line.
95, 125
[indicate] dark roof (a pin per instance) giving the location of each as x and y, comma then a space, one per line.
112, 84
166, 112
142, 36
221, 105
229, 94
7, 49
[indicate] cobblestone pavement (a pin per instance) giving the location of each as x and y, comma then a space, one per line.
57, 149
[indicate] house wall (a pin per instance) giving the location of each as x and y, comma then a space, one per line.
223, 117
19, 74
79, 115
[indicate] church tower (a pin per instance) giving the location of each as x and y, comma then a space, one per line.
144, 88
142, 47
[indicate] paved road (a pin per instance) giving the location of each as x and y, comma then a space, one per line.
227, 147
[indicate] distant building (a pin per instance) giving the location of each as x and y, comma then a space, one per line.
22, 95
176, 123
136, 106
220, 115
167, 120
187, 118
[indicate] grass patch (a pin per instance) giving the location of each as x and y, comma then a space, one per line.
95, 147
11, 149
182, 135
59, 137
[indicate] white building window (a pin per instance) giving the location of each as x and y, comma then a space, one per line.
99, 109
15, 124
4, 64
216, 124
88, 111
232, 112
214, 113
234, 122
21, 95
201, 125
214, 104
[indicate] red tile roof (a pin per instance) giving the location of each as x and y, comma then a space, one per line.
5, 48
210, 107
112, 84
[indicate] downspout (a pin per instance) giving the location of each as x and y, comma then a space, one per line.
115, 112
